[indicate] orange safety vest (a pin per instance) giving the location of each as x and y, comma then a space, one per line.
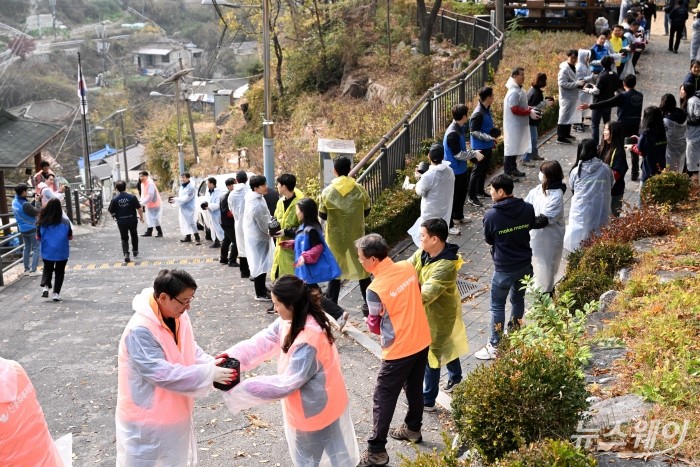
336, 400
166, 407
398, 289
156, 199
24, 436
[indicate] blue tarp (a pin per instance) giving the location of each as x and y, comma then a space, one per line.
98, 155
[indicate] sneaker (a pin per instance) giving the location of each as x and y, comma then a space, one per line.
488, 352
369, 459
450, 386
136, 253
45, 293
26, 273
271, 310
34, 274
404, 434
223, 261
429, 408
216, 244
127, 259
537, 158
197, 241
474, 202
563, 141
517, 173
55, 297
264, 298
342, 321
454, 231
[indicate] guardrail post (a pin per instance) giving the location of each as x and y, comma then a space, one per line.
77, 207
69, 203
442, 21
431, 127
456, 39
462, 90
407, 138
384, 167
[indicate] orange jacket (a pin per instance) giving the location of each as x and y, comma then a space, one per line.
155, 202
24, 437
398, 289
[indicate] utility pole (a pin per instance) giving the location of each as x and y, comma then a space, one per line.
268, 124
176, 79
189, 117
121, 125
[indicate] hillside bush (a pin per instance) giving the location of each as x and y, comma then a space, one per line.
528, 393
394, 212
637, 223
607, 257
445, 458
667, 188
549, 452
585, 285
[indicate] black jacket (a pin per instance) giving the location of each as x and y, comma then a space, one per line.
629, 109
608, 83
507, 229
123, 208
226, 221
535, 97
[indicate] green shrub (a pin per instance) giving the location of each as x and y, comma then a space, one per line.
420, 74
444, 458
585, 285
549, 452
528, 393
668, 188
606, 257
557, 325
648, 221
467, 8
393, 213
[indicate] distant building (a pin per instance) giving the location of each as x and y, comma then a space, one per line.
52, 111
162, 58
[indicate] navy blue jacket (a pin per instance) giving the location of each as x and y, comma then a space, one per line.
507, 229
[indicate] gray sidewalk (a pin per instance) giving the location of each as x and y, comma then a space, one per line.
660, 72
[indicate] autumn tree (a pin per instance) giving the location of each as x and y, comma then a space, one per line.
426, 24
21, 46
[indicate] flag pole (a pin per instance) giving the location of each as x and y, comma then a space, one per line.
82, 93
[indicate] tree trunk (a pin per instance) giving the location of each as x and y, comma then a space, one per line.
280, 57
426, 25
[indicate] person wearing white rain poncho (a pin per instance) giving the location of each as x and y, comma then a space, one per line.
185, 200
435, 187
161, 369
591, 182
212, 209
259, 247
309, 381
151, 202
547, 243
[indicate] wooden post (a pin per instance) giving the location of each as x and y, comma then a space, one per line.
3, 204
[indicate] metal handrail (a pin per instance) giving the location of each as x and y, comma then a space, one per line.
11, 250
380, 169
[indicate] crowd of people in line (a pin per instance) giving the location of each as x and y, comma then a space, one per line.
414, 305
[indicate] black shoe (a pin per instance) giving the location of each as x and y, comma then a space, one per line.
127, 259
634, 177
45, 294
223, 261
187, 239
197, 240
136, 253
474, 201
233, 264
537, 158
147, 234
159, 234
245, 276
516, 173
216, 244
563, 141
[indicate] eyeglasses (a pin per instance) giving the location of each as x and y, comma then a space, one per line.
185, 303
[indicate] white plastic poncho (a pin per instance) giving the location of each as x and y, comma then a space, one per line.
675, 145
547, 244
590, 203
568, 95
186, 200
692, 134
695, 41
516, 128
151, 196
310, 385
214, 213
583, 72
435, 188
259, 247
158, 380
236, 203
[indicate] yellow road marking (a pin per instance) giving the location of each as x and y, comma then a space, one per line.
77, 267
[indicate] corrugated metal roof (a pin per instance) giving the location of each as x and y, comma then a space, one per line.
47, 111
20, 139
153, 51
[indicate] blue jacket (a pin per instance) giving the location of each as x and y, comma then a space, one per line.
507, 229
458, 167
25, 221
481, 121
54, 240
597, 54
323, 270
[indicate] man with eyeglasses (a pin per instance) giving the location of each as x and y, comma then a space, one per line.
161, 369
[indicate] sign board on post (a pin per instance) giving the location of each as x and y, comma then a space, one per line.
327, 150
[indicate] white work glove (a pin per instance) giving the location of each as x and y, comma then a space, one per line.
479, 156
535, 115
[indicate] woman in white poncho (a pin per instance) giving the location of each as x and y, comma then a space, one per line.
309, 381
547, 244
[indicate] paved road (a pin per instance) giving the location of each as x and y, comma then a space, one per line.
69, 349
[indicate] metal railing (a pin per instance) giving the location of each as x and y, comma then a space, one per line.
84, 205
432, 113
11, 247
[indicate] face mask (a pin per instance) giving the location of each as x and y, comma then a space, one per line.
540, 175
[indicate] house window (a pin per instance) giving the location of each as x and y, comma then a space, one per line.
150, 61
166, 59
